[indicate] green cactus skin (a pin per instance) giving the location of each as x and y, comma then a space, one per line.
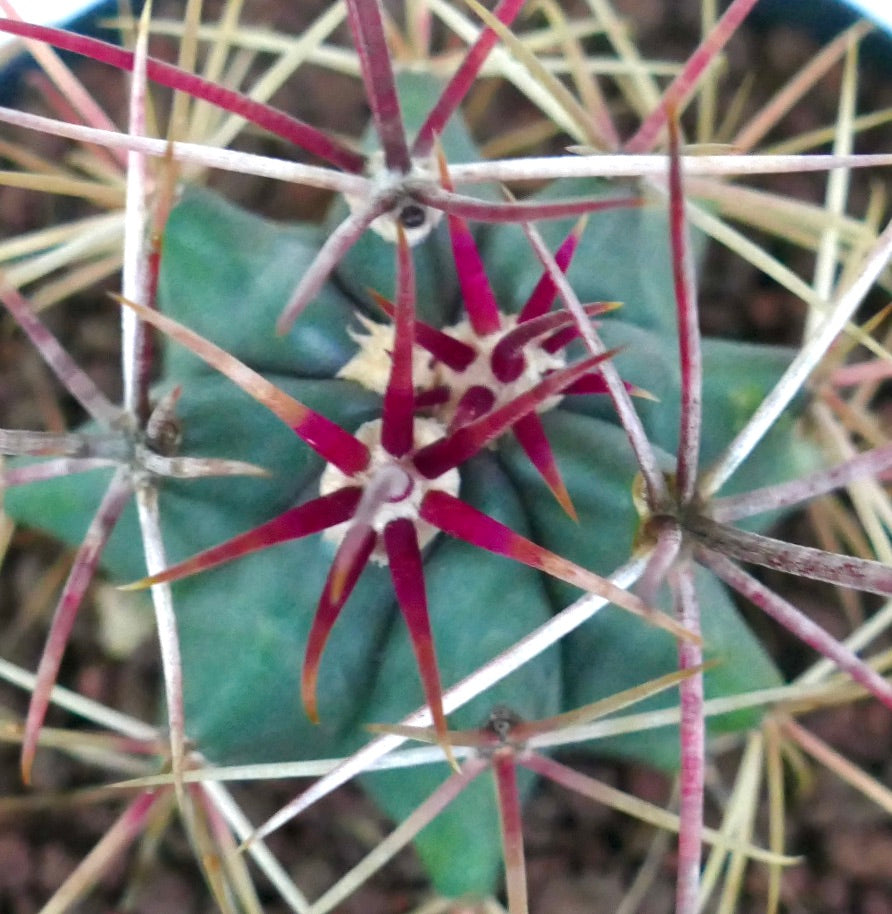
243, 626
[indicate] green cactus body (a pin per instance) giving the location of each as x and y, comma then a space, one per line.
243, 626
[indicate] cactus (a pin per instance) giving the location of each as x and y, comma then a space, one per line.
483, 416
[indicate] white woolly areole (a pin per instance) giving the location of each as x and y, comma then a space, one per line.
537, 363
371, 365
422, 172
385, 469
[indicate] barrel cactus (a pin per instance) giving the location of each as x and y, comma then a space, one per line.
436, 465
